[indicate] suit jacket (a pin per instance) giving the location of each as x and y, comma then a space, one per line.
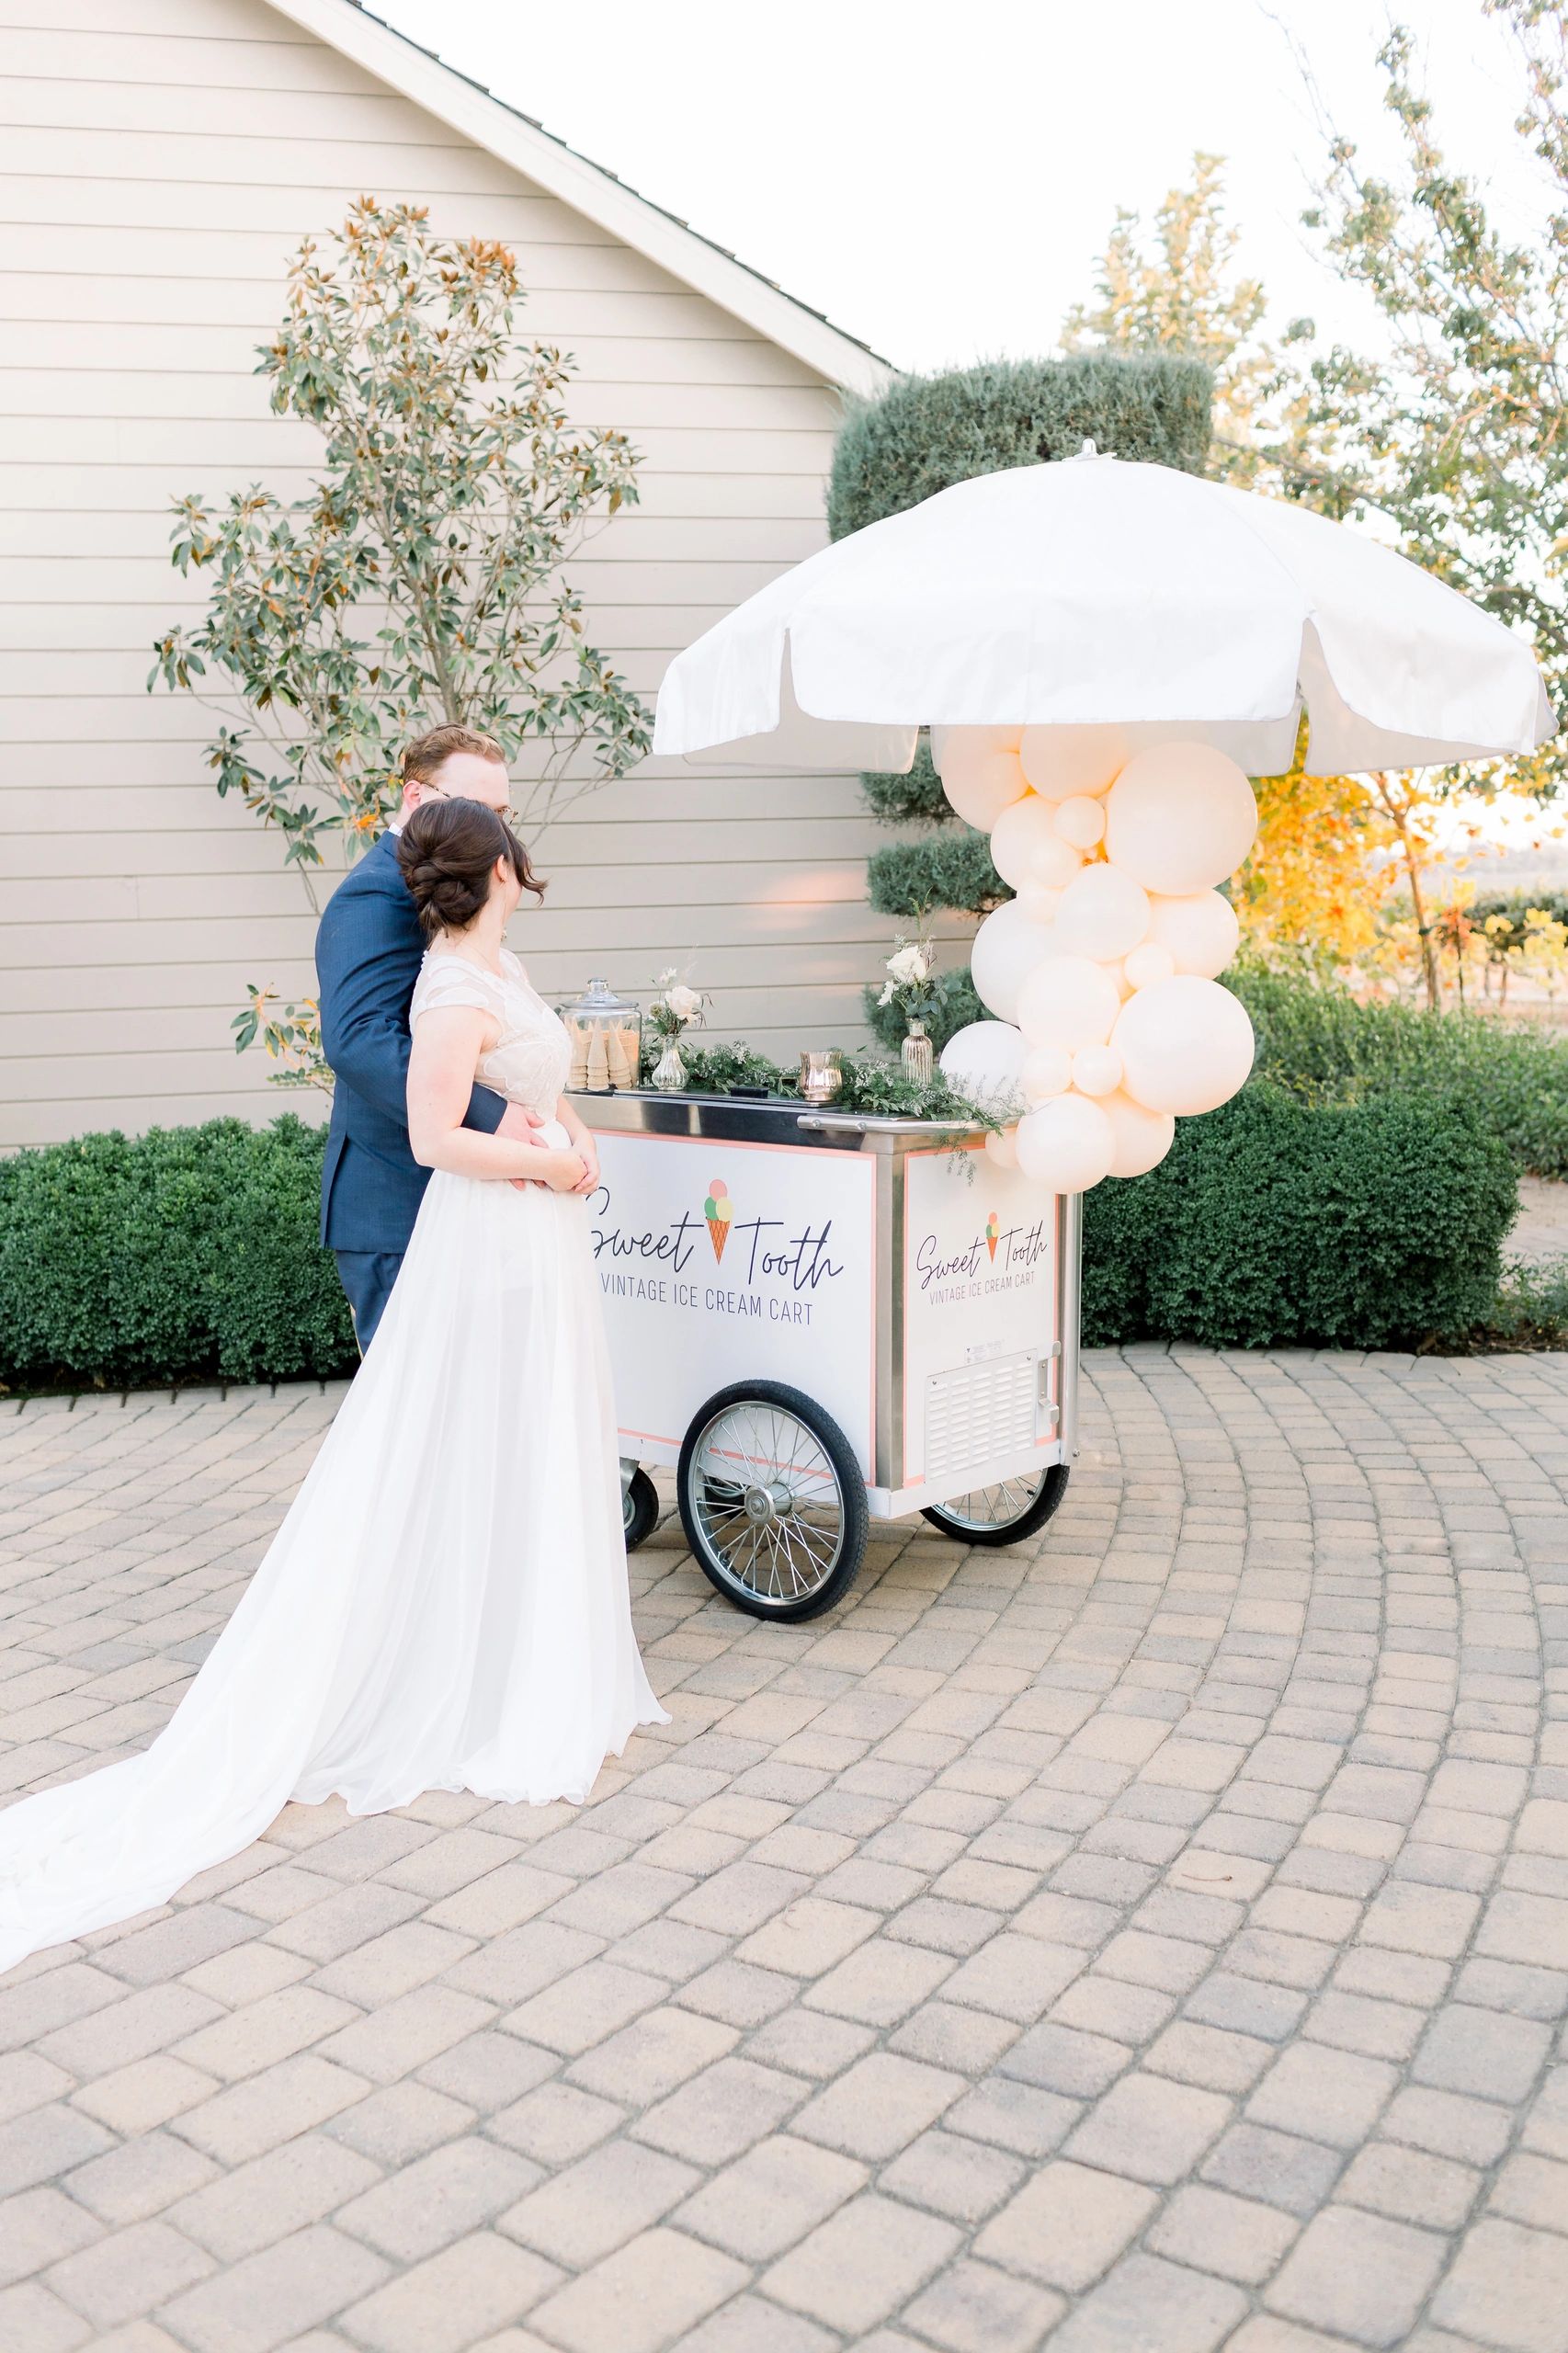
368, 954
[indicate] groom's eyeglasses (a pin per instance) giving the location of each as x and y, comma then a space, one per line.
509, 813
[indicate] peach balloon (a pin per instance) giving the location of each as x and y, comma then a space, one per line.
1006, 949
984, 1061
1038, 905
1142, 1138
1096, 1070
1151, 962
1200, 932
1002, 1147
979, 784
1104, 912
1063, 762
1180, 817
1022, 831
1068, 1001
1067, 1145
963, 740
1080, 821
1047, 1071
1185, 1044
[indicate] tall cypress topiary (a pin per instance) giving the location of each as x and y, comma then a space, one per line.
922, 436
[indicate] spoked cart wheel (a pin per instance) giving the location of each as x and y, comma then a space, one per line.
772, 1501
639, 1507
1005, 1513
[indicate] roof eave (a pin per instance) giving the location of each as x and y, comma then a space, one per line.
589, 189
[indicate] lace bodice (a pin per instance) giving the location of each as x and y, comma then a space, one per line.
530, 1063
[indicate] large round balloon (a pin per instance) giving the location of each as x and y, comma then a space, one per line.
1025, 848
1062, 762
1201, 932
971, 739
1068, 1001
1180, 817
1002, 1147
984, 1062
1142, 1138
1096, 1070
1080, 821
980, 779
1047, 1071
1186, 1045
1149, 963
1067, 1145
1006, 947
1104, 912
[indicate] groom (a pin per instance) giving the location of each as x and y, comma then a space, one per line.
368, 954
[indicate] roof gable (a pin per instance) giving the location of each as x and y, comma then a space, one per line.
516, 140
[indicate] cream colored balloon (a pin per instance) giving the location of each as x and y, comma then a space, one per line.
979, 784
1038, 905
1104, 912
971, 739
984, 1061
1149, 963
1180, 818
1185, 1044
1047, 1071
1021, 834
1096, 1070
1002, 1147
1063, 762
1054, 864
1142, 1138
1068, 1001
1200, 932
1067, 1145
1006, 948
1080, 821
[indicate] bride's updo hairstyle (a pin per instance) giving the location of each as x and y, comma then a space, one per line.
446, 850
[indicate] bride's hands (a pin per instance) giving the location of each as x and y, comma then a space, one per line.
568, 1172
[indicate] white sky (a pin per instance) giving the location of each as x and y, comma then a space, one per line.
940, 179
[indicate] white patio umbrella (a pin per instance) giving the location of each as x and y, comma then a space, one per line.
1093, 594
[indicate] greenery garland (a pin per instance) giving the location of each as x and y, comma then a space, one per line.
871, 1086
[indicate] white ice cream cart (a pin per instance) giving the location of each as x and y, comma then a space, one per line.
815, 1318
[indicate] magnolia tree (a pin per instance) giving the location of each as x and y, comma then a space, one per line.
420, 579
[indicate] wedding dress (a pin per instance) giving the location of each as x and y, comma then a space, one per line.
445, 1606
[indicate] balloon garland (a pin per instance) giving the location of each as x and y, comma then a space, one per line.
1110, 1024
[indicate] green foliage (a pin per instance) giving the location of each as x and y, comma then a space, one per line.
1279, 1222
917, 798
1324, 1041
956, 1006
1531, 1307
187, 1255
949, 868
928, 432
871, 1084
419, 579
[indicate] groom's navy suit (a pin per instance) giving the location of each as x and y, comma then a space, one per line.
367, 954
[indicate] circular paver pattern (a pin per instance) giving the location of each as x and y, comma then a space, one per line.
1152, 1937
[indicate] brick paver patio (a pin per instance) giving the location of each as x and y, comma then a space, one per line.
1148, 1940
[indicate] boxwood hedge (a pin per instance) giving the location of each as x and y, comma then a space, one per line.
190, 1254
186, 1255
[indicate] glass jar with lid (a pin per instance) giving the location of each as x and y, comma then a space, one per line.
605, 1035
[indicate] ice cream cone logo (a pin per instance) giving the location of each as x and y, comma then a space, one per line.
719, 1209
992, 1230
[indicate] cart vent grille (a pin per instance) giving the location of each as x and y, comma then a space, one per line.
978, 1410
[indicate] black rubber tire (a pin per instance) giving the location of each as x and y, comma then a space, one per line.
845, 1566
1052, 1487
641, 1510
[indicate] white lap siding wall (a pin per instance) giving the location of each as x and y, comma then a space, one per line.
158, 165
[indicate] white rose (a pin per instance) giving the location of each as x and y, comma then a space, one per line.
908, 964
684, 1003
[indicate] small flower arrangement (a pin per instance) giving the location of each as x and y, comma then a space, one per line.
676, 1007
911, 971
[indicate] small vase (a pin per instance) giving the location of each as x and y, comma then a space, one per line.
669, 1071
918, 1055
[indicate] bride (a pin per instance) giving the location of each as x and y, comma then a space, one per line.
445, 1606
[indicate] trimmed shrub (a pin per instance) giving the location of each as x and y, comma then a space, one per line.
951, 868
186, 1255
1320, 1039
914, 799
928, 432
1280, 1222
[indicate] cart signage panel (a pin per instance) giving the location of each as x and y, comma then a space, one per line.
725, 1261
979, 1315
